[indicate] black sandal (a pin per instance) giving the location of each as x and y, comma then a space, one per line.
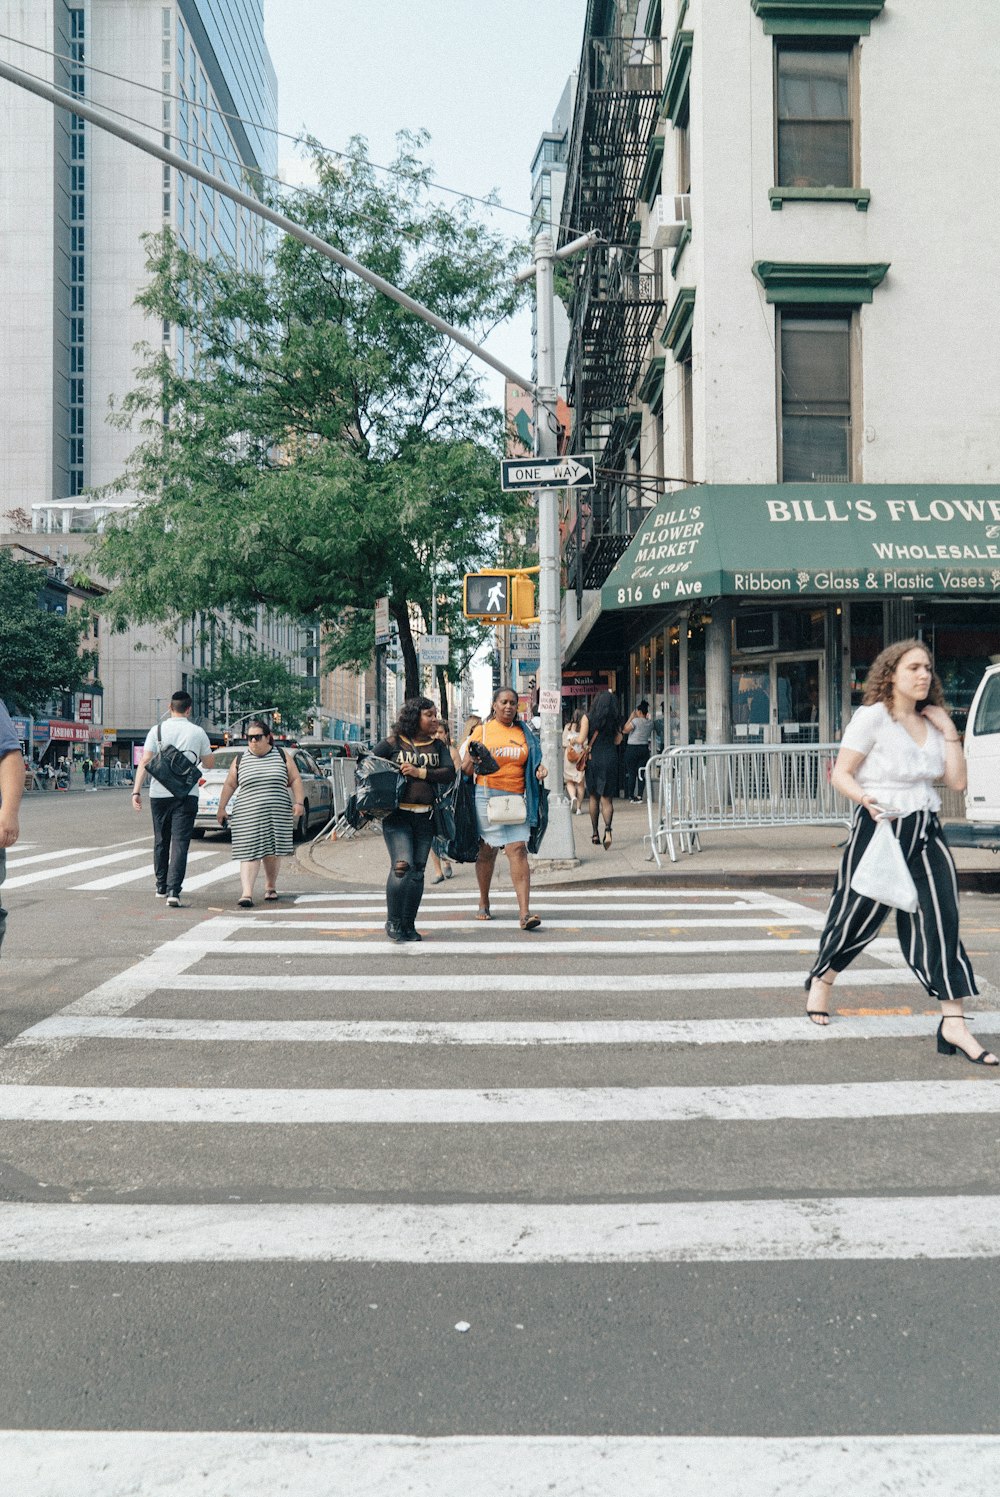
817, 1015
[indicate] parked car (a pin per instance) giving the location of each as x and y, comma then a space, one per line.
981, 827
317, 792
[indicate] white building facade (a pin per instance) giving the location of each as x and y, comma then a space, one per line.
75, 204
813, 420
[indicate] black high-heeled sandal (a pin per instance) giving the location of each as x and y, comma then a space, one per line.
817, 1015
945, 1047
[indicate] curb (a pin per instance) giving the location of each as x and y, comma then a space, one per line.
973, 881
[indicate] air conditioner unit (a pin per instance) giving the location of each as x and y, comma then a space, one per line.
668, 218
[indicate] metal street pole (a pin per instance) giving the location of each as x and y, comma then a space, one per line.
559, 842
254, 681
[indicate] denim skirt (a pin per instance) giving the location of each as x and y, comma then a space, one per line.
492, 833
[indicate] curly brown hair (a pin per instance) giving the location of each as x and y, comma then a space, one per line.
878, 682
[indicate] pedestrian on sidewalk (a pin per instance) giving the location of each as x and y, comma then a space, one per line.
441, 867
899, 741
425, 762
638, 731
603, 731
263, 819
11, 791
575, 760
173, 816
516, 749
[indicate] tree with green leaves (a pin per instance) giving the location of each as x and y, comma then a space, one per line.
40, 654
256, 681
320, 447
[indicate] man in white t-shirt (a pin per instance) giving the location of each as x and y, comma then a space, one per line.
173, 816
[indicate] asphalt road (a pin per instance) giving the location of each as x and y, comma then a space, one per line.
257, 1171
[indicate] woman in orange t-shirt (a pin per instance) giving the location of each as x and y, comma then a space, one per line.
517, 751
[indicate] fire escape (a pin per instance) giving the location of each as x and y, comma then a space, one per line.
617, 293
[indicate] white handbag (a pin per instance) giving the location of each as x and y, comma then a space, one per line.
882, 874
506, 810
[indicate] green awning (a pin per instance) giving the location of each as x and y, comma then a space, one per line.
793, 540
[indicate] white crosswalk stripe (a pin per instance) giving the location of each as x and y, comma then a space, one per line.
62, 864
666, 979
132, 1463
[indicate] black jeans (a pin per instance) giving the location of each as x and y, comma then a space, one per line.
408, 837
173, 823
636, 755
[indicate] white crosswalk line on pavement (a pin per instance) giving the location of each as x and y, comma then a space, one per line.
490, 1033
116, 880
743, 1231
433, 922
127, 1463
712, 983
43, 857
432, 1106
527, 943
43, 875
224, 870
637, 896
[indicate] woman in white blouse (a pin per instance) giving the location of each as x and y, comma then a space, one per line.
896, 745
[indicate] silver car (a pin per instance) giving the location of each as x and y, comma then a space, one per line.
317, 792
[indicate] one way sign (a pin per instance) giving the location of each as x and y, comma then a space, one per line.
547, 473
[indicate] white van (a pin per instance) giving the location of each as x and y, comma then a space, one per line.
982, 751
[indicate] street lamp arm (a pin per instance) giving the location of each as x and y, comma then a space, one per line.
97, 117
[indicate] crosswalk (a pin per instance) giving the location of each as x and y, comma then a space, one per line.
505, 1179
62, 868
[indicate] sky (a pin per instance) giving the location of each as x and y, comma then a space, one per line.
483, 77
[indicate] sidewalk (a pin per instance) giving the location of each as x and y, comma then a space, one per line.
786, 857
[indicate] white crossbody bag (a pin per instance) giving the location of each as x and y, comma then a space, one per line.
506, 810
882, 873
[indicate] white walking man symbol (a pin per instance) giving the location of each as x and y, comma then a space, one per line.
495, 602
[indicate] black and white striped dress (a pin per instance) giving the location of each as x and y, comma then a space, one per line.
262, 815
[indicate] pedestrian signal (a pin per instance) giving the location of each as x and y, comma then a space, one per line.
276, 719
499, 597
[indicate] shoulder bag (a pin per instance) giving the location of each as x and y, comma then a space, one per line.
378, 788
177, 770
882, 873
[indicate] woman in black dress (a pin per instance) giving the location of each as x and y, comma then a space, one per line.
602, 732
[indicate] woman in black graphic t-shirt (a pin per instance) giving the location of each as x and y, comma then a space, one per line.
426, 763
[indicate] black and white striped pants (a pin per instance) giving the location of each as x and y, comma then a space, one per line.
929, 937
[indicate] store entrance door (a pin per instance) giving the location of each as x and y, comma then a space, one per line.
798, 699
781, 700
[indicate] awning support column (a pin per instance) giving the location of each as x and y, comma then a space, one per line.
718, 673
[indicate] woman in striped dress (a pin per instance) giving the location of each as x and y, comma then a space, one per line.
263, 817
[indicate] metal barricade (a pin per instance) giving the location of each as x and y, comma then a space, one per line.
342, 775
721, 787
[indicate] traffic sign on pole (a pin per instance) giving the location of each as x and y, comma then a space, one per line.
432, 649
547, 473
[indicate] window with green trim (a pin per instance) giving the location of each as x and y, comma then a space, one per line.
814, 353
814, 116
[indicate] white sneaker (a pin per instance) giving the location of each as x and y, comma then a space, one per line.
174, 901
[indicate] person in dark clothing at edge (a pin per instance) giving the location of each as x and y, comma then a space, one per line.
425, 761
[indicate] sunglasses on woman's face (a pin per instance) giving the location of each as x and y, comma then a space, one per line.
256, 737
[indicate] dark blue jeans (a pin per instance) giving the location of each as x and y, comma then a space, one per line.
408, 837
3, 875
173, 823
